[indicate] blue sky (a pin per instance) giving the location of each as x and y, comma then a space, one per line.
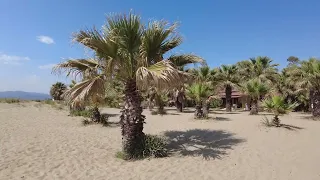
36, 34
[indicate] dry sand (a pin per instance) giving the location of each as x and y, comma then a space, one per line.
44, 143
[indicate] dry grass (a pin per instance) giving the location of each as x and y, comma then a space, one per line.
10, 100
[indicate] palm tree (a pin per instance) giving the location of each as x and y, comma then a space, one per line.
57, 90
180, 62
199, 92
228, 78
207, 76
293, 60
284, 87
260, 67
255, 89
132, 53
307, 78
278, 106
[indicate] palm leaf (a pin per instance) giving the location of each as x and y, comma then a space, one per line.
185, 59
77, 67
161, 75
158, 39
85, 90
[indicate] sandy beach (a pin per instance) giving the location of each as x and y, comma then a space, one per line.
41, 142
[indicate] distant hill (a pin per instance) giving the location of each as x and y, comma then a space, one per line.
24, 95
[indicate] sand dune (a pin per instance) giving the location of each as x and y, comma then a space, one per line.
40, 142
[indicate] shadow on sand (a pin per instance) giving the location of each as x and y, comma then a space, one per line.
223, 112
217, 118
291, 127
200, 142
113, 124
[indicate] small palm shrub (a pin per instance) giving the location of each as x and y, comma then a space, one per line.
103, 120
91, 115
199, 92
153, 146
278, 106
57, 90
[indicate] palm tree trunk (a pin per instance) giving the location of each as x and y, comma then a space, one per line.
131, 121
198, 112
150, 100
228, 98
254, 107
276, 121
96, 116
316, 104
179, 100
160, 104
311, 101
205, 109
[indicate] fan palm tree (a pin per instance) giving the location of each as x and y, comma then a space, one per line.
57, 90
307, 78
278, 106
203, 74
179, 62
132, 53
260, 67
284, 87
199, 92
206, 76
228, 78
255, 89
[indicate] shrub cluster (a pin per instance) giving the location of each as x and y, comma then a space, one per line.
153, 146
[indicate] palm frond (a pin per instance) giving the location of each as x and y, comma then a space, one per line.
185, 59
198, 92
161, 75
255, 88
85, 90
77, 67
158, 39
278, 106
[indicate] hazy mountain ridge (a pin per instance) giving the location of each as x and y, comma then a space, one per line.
24, 95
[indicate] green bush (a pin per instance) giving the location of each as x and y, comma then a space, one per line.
216, 103
153, 146
104, 121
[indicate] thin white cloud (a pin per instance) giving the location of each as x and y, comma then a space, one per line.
12, 60
46, 66
45, 39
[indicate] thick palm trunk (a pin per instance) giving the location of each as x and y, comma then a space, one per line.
276, 121
228, 98
160, 104
205, 109
150, 100
179, 100
198, 111
96, 116
311, 101
254, 107
131, 121
316, 104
